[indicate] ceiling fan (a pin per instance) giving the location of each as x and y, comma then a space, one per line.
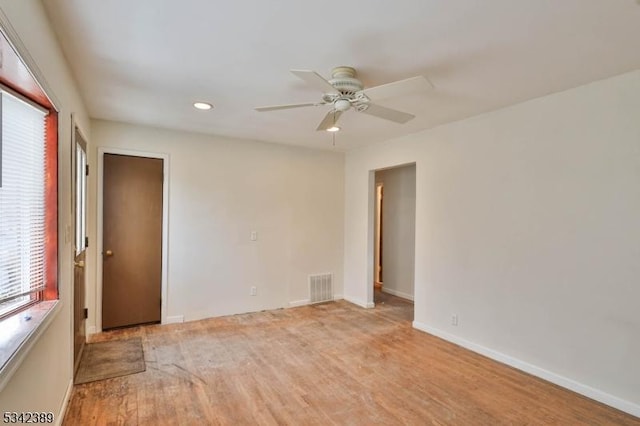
344, 91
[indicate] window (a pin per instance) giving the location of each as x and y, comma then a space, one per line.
22, 203
28, 204
81, 198
28, 186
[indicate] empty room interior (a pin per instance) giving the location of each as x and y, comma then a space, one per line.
347, 212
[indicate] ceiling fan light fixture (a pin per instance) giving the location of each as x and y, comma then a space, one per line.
204, 106
342, 105
344, 92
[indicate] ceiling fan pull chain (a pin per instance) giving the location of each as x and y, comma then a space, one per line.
333, 134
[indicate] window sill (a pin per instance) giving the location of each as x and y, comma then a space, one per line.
18, 335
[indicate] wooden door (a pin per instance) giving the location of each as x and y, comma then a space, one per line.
79, 185
132, 240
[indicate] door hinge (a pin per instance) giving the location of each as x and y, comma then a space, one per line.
86, 313
86, 242
86, 170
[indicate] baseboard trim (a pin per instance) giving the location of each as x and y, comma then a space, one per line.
585, 390
65, 403
360, 303
398, 293
91, 330
175, 319
297, 303
304, 302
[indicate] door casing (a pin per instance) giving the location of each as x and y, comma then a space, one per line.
165, 228
80, 253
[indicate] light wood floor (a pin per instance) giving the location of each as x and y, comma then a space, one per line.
333, 363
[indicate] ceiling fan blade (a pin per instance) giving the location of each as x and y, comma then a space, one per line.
388, 113
316, 80
329, 120
398, 88
276, 107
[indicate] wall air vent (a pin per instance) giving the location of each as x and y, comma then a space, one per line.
320, 288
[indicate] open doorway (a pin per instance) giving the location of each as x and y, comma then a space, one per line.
394, 233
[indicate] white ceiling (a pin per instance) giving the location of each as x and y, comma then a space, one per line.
146, 61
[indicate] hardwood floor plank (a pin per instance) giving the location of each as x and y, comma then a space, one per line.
327, 364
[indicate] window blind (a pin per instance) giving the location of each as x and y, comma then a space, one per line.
22, 202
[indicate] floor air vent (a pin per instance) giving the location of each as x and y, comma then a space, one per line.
320, 288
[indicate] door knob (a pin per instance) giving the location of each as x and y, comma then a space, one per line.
79, 264
108, 253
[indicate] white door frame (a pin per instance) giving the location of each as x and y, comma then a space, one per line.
377, 276
75, 126
165, 226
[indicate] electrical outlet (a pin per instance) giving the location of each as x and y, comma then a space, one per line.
454, 319
254, 235
254, 291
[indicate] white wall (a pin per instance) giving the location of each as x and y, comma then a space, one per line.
528, 228
398, 229
45, 375
222, 189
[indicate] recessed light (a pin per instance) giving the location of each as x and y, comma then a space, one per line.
333, 129
202, 105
